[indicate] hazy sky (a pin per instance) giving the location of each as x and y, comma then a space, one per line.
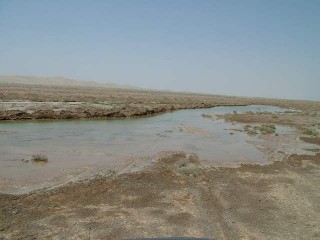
256, 48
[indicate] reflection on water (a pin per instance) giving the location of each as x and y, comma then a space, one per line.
72, 144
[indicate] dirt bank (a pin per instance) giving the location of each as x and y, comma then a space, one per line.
19, 102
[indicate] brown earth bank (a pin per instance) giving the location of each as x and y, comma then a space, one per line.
175, 196
23, 102
313, 140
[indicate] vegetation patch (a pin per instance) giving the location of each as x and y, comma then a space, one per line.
263, 129
251, 131
39, 158
266, 129
309, 131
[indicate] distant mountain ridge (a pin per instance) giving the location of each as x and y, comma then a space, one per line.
57, 81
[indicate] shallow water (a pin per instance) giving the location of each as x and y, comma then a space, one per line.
85, 143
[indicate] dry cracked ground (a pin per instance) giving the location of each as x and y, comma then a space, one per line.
176, 194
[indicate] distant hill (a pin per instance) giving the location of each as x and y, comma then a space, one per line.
56, 81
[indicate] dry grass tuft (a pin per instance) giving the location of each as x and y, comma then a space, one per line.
39, 158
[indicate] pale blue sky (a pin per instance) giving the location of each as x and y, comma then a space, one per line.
249, 47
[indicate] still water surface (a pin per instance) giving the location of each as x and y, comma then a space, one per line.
81, 143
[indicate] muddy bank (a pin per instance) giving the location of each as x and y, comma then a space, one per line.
57, 110
313, 140
19, 102
45, 102
176, 196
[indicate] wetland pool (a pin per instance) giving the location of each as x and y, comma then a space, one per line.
72, 144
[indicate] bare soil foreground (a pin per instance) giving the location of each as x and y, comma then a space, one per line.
175, 194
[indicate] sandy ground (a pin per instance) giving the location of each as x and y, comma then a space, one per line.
176, 194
